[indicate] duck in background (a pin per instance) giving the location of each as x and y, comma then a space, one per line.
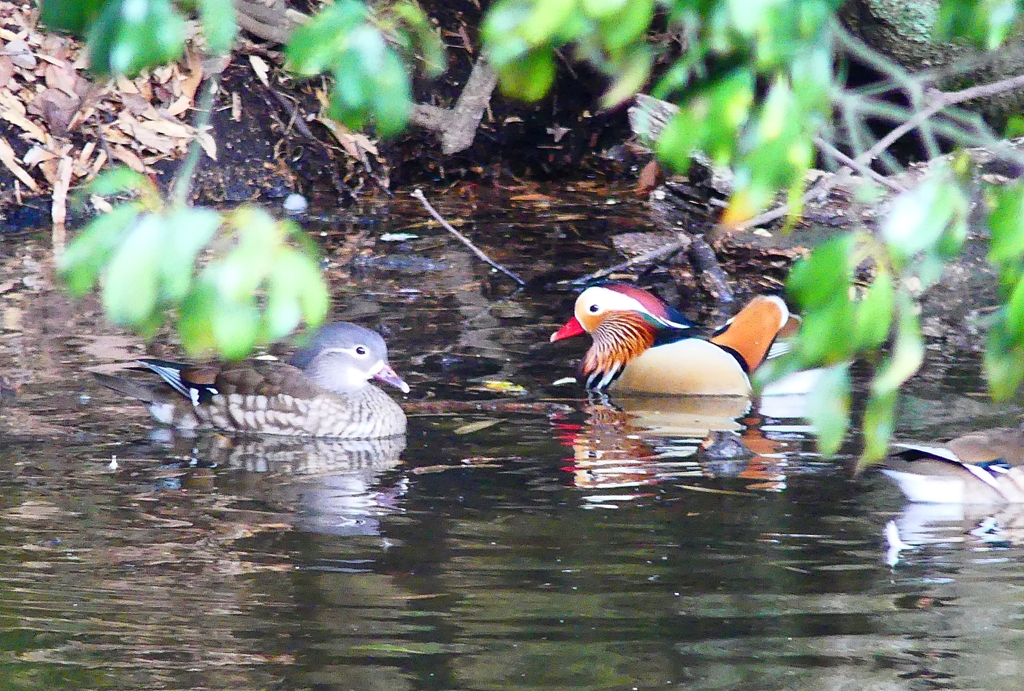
984, 467
642, 345
324, 391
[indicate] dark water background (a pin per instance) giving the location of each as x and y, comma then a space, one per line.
583, 547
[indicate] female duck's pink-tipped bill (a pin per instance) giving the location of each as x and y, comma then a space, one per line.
569, 330
389, 376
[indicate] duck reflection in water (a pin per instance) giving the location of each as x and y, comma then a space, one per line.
642, 441
332, 486
968, 489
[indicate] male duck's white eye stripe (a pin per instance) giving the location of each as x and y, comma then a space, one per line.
611, 301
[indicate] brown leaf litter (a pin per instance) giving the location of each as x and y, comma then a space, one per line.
64, 127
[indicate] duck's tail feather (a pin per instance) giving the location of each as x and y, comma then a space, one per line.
130, 387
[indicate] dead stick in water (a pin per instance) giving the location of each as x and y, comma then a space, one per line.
418, 194
652, 256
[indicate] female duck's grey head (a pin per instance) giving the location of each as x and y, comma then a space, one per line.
343, 357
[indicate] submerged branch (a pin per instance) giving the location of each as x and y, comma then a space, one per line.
418, 194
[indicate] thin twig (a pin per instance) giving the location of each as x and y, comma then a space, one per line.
859, 167
819, 188
940, 100
654, 255
418, 194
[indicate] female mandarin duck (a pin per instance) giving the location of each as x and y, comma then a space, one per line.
642, 345
324, 391
985, 467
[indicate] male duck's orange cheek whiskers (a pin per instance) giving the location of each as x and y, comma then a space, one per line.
611, 354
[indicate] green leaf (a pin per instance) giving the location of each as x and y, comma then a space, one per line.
1014, 127
283, 312
118, 180
878, 424
236, 328
986, 23
545, 20
367, 46
73, 16
727, 109
678, 140
130, 35
826, 334
314, 298
316, 45
186, 231
424, 38
828, 408
239, 274
500, 32
875, 313
219, 26
1014, 314
83, 260
630, 76
530, 78
602, 8
628, 25
195, 318
907, 353
296, 291
130, 279
1003, 363
392, 97
350, 97
823, 276
1006, 221
919, 217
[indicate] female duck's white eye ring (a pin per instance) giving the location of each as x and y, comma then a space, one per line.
361, 351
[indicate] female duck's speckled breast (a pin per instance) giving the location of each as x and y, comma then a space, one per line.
364, 414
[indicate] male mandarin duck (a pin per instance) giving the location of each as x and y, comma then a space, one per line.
642, 345
985, 467
324, 391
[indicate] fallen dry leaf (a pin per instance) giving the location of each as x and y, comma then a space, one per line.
207, 142
20, 54
6, 69
36, 155
128, 158
59, 77
168, 128
260, 67
56, 107
8, 158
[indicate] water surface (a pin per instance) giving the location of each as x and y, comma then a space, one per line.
573, 545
